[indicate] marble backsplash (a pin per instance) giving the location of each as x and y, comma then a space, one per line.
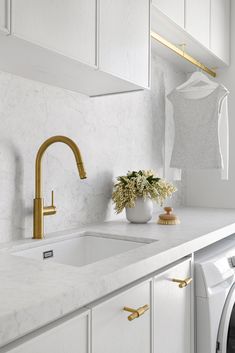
114, 133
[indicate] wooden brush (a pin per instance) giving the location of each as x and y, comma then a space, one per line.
168, 218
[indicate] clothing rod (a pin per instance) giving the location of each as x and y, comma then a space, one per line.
182, 53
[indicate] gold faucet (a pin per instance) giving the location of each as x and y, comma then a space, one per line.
39, 209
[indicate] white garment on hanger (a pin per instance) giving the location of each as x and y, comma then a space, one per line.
201, 120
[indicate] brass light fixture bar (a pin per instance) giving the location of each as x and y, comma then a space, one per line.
182, 53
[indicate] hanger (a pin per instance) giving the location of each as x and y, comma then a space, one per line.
195, 79
198, 77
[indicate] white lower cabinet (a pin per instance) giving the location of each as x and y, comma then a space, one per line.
172, 311
112, 332
157, 319
67, 336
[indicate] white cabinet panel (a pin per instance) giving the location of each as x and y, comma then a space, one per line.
67, 27
124, 39
111, 330
198, 20
220, 28
172, 311
72, 336
173, 9
5, 16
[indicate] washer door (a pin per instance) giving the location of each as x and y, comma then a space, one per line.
226, 336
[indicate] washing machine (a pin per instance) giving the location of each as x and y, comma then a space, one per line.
215, 298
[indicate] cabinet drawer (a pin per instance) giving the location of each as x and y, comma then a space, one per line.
111, 329
67, 336
172, 310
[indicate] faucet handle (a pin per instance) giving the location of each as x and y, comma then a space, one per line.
50, 210
52, 198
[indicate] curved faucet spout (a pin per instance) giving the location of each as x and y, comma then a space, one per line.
41, 151
39, 209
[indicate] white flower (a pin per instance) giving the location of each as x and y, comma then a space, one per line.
144, 183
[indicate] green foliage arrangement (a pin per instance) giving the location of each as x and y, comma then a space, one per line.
143, 183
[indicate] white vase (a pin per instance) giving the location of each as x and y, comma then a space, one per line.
142, 212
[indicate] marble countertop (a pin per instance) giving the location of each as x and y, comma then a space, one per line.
34, 293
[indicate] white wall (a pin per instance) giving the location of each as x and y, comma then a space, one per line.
115, 134
205, 188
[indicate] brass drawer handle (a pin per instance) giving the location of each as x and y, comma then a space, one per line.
183, 282
136, 312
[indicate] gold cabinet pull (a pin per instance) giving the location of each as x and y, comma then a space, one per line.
136, 312
183, 282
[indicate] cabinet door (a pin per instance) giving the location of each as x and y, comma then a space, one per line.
220, 28
198, 20
172, 311
124, 39
67, 26
72, 336
5, 16
112, 332
173, 9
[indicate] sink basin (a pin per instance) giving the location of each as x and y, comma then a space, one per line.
80, 250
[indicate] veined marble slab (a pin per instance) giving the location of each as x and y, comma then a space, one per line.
34, 293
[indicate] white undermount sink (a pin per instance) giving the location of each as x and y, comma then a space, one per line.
81, 250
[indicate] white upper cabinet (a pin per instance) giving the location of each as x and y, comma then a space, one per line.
205, 27
198, 20
5, 16
173, 9
124, 39
67, 27
94, 47
220, 28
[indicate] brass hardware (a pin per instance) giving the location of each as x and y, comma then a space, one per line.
50, 210
182, 53
183, 282
39, 209
182, 46
136, 312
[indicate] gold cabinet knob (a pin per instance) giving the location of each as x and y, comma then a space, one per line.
183, 282
136, 312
